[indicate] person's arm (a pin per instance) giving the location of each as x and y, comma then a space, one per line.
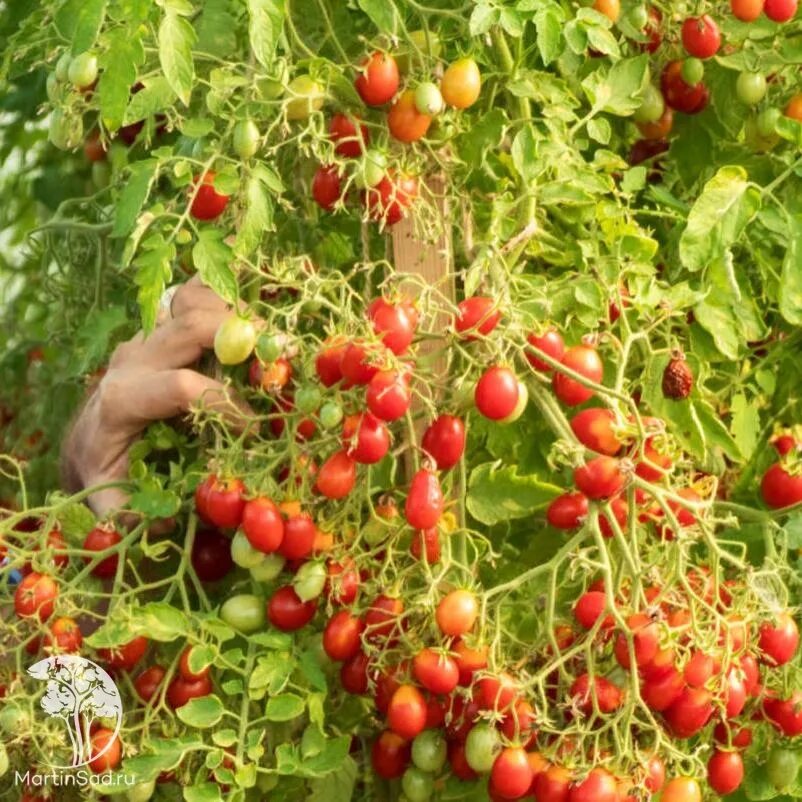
148, 379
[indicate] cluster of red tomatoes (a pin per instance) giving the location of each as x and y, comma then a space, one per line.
781, 485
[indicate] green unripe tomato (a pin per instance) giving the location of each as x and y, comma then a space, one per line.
482, 747
523, 400
272, 86
52, 87
141, 792
417, 785
14, 719
83, 70
3, 760
66, 132
62, 70
782, 767
652, 105
428, 99
429, 751
767, 122
370, 169
307, 399
269, 568
305, 96
330, 415
101, 174
245, 612
269, 347
422, 44
234, 340
693, 71
309, 581
243, 553
246, 139
638, 17
751, 87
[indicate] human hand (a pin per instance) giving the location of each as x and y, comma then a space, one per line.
148, 379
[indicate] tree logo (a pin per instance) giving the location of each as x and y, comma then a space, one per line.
78, 691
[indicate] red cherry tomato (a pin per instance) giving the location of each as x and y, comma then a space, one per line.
435, 671
390, 755
100, 539
337, 476
598, 786
496, 394
585, 692
105, 751
208, 203
645, 641
426, 542
477, 315
211, 555
725, 771
511, 774
64, 635
585, 361
287, 612
366, 438
690, 712
36, 595
299, 537
780, 10
326, 186
394, 323
781, 488
589, 607
223, 502
459, 763
679, 95
149, 682
747, 10
497, 692
701, 37
550, 342
378, 79
660, 690
600, 477
382, 619
342, 637
425, 503
342, 583
388, 395
349, 139
568, 511
391, 197
553, 785
327, 362
595, 429
181, 690
444, 441
354, 674
358, 363
456, 613
404, 121
262, 524
779, 640
126, 656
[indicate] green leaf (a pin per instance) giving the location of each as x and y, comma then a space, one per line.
153, 501
271, 674
133, 196
599, 130
217, 29
155, 96
225, 737
745, 424
618, 92
94, 338
80, 22
483, 138
524, 153
727, 203
499, 494
153, 272
791, 278
285, 707
204, 792
549, 25
483, 18
310, 666
176, 38
161, 621
258, 216
328, 760
203, 712
164, 755
118, 74
212, 257
383, 14
76, 521
266, 20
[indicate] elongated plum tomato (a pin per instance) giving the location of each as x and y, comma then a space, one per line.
100, 539
598, 786
785, 714
378, 79
148, 682
337, 476
568, 511
701, 37
211, 555
600, 477
425, 503
610, 8
779, 640
65, 635
263, 524
349, 140
389, 199
382, 617
456, 613
589, 607
224, 502
725, 771
553, 784
207, 203
444, 441
181, 690
511, 775
299, 537
388, 395
406, 714
496, 393
234, 340
681, 789
405, 122
585, 361
659, 129
595, 429
105, 751
645, 641
125, 656
780, 10
461, 83
287, 612
435, 671
690, 712
746, 10
779, 488
394, 323
477, 315
326, 186
390, 755
550, 342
